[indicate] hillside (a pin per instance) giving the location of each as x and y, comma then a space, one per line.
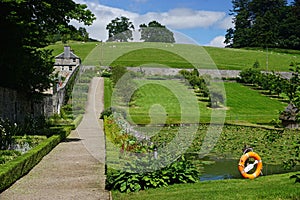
201, 57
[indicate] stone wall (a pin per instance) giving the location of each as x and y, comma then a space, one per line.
16, 106
215, 73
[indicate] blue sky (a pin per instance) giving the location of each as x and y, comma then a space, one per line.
204, 21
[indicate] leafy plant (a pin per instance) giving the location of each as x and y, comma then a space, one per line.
7, 155
296, 177
180, 171
7, 131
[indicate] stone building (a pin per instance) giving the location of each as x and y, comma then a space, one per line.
66, 62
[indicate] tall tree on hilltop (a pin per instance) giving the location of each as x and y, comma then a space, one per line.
26, 27
266, 17
120, 29
240, 34
156, 32
264, 23
289, 32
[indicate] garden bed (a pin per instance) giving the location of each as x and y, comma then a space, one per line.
21, 164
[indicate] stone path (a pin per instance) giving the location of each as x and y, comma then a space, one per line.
75, 168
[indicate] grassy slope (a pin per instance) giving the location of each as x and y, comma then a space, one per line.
249, 105
224, 58
268, 187
245, 105
169, 94
80, 49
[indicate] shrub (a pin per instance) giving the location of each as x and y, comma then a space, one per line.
180, 171
106, 112
7, 131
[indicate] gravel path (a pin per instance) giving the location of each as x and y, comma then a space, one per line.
75, 168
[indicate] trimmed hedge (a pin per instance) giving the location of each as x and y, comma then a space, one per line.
15, 169
77, 121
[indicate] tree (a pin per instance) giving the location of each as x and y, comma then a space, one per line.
155, 32
120, 29
264, 23
239, 35
216, 96
26, 27
292, 86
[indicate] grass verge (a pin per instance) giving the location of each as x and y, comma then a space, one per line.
266, 187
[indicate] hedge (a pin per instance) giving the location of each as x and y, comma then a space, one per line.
15, 169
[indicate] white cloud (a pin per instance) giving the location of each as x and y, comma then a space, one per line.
217, 42
177, 19
226, 23
187, 18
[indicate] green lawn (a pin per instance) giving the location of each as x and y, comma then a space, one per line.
149, 55
275, 187
163, 101
80, 49
134, 54
237, 59
244, 105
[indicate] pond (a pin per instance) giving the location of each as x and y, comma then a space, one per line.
218, 169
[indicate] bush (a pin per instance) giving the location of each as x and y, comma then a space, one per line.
250, 76
106, 112
180, 171
13, 170
6, 135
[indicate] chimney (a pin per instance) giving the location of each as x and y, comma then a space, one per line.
67, 51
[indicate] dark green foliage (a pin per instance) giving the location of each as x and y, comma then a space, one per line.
180, 171
106, 73
106, 112
25, 28
256, 64
197, 82
30, 126
120, 29
292, 86
13, 170
296, 177
7, 131
261, 23
294, 157
250, 76
7, 155
156, 32
70, 33
117, 73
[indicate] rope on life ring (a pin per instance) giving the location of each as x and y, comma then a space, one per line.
244, 169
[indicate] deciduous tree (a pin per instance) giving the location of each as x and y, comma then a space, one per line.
26, 27
120, 29
156, 32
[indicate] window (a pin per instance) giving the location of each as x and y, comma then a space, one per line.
70, 68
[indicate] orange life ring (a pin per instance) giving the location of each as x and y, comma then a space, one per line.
242, 166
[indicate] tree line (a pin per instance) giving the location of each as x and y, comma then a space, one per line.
264, 23
120, 29
274, 83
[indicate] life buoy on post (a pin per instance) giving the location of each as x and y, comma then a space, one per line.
245, 169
